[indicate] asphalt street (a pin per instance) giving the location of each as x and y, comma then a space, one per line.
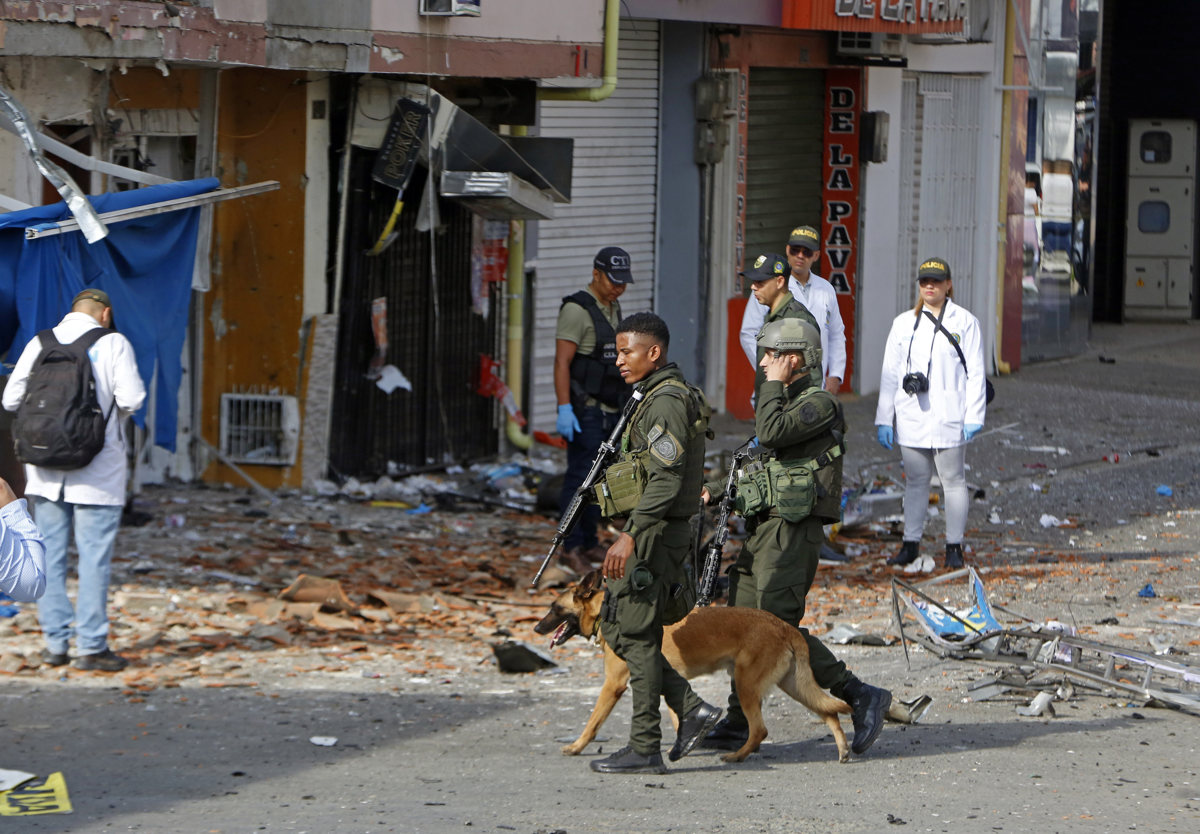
461, 746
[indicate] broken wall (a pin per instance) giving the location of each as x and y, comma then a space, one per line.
56, 91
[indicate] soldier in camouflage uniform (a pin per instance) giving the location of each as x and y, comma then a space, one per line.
769, 281
647, 570
801, 425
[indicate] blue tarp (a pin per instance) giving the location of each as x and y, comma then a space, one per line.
145, 265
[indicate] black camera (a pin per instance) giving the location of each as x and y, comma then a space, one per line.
915, 383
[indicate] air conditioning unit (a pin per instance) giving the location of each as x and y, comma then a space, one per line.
448, 8
258, 428
886, 45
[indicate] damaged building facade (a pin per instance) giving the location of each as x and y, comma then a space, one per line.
357, 322
301, 306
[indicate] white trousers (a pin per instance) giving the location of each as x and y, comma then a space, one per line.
918, 472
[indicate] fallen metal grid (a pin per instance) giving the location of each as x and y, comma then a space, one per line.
1037, 648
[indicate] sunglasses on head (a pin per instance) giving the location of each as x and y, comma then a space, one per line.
800, 250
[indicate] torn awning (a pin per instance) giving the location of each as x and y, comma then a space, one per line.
144, 264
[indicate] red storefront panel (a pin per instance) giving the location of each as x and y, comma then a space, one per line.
901, 16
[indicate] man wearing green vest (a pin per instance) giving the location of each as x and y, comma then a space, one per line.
647, 571
786, 496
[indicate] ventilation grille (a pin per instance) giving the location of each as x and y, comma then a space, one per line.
260, 428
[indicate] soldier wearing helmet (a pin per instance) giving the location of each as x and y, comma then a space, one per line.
786, 498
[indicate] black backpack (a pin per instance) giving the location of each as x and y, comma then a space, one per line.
59, 423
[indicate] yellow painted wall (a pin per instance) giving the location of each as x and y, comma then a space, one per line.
252, 314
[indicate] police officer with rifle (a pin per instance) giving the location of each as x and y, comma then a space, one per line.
648, 570
786, 496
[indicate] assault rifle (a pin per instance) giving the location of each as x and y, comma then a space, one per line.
604, 457
712, 558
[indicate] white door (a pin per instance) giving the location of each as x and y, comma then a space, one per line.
614, 188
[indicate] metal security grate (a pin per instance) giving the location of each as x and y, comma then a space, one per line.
260, 428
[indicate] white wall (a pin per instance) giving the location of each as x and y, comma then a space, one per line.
880, 207
565, 21
316, 198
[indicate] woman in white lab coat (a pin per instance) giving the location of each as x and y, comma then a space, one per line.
932, 389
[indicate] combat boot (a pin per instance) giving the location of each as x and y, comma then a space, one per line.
954, 556
908, 552
869, 705
692, 728
726, 736
628, 760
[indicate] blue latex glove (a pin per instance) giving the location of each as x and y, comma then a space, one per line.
885, 436
970, 430
568, 423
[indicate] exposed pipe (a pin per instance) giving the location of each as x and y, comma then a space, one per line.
612, 28
516, 324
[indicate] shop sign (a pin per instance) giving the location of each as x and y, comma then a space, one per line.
903, 16
840, 193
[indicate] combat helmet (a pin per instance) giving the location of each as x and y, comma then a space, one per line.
793, 336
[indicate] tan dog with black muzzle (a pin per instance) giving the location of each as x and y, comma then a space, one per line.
757, 648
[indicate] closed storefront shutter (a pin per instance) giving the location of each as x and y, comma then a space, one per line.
940, 133
783, 156
614, 188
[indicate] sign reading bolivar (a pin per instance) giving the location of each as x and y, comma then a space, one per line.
902, 11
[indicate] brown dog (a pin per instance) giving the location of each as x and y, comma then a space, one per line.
758, 648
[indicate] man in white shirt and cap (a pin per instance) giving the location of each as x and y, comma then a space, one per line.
87, 499
817, 295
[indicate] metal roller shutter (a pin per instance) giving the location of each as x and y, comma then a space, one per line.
783, 156
614, 190
940, 123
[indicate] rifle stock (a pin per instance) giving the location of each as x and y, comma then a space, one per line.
604, 456
712, 557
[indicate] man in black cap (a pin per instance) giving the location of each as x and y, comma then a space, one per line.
88, 497
768, 276
818, 297
589, 389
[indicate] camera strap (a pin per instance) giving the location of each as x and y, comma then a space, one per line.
937, 322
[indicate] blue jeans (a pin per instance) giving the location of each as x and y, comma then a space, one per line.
95, 530
595, 425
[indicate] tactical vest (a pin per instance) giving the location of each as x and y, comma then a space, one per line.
620, 491
798, 481
596, 374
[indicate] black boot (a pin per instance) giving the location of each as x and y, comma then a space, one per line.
869, 705
693, 727
627, 760
908, 553
726, 736
954, 557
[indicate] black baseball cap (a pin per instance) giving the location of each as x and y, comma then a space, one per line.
613, 261
805, 236
934, 268
766, 267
